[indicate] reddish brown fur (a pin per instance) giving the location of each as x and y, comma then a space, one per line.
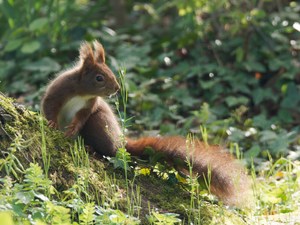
228, 178
97, 124
102, 131
79, 81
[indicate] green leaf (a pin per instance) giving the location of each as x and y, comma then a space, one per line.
236, 135
143, 171
41, 197
260, 95
30, 47
122, 159
239, 54
6, 218
6, 67
117, 218
254, 66
25, 197
258, 13
13, 45
205, 114
11, 2
165, 218
208, 84
277, 63
261, 121
268, 135
45, 64
280, 37
18, 209
252, 152
11, 22
234, 101
87, 215
285, 115
292, 97
279, 145
38, 24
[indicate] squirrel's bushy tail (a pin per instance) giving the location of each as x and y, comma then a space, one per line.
228, 178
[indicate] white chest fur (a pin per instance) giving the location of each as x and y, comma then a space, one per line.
69, 110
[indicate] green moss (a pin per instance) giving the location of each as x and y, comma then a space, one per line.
22, 132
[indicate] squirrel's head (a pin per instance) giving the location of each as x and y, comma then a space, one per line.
96, 78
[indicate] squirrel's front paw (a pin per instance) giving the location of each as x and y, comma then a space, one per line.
52, 124
72, 130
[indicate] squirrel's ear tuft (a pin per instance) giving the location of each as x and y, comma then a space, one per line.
86, 53
99, 52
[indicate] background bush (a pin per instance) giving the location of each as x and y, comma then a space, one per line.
232, 66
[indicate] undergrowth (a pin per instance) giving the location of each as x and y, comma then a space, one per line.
32, 198
235, 71
28, 195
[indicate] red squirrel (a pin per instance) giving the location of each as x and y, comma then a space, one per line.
73, 102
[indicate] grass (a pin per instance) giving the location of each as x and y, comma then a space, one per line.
123, 158
45, 155
28, 194
276, 189
194, 211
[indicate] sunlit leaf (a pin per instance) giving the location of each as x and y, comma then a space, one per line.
11, 2
25, 197
38, 24
11, 22
258, 13
144, 171
6, 218
30, 47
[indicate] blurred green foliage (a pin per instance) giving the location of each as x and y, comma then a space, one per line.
232, 66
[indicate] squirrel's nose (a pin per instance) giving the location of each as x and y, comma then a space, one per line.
117, 88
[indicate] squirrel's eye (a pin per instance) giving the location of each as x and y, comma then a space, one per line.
99, 78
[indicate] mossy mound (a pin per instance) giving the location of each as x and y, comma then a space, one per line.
24, 134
